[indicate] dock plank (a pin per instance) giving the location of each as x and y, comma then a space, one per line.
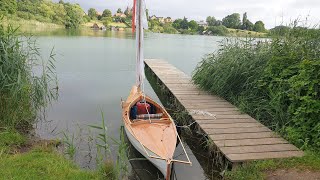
263, 155
258, 135
239, 137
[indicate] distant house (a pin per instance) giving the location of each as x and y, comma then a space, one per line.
168, 20
120, 15
99, 14
95, 26
161, 20
153, 17
202, 23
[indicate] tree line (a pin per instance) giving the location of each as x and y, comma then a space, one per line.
72, 16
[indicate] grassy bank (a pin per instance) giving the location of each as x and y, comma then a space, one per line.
275, 81
22, 23
21, 160
246, 33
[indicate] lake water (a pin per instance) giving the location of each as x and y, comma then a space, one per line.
96, 69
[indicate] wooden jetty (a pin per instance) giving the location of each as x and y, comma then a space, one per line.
239, 137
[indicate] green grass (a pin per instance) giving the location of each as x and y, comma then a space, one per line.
245, 33
257, 170
9, 139
41, 164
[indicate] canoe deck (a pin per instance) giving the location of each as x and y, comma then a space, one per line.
238, 136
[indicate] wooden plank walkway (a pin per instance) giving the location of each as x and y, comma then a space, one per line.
238, 136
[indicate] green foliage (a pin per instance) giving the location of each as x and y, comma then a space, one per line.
232, 21
107, 13
211, 21
246, 24
22, 93
257, 170
8, 6
218, 30
119, 10
106, 21
184, 24
193, 25
259, 27
279, 31
92, 13
276, 81
176, 23
70, 15
168, 28
74, 15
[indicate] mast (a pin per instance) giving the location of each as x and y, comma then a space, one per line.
139, 18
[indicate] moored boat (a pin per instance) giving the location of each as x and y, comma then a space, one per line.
148, 126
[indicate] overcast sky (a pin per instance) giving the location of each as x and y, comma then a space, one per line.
271, 12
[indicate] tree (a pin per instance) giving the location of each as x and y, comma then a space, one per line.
201, 29
107, 13
106, 21
74, 15
8, 6
211, 21
246, 24
176, 23
127, 11
184, 24
119, 10
92, 13
193, 25
259, 27
218, 30
244, 20
61, 2
232, 21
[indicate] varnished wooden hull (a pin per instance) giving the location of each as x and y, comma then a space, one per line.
155, 139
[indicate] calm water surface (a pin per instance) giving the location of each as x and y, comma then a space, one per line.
96, 69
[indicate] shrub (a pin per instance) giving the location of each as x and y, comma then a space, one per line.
218, 30
276, 81
22, 92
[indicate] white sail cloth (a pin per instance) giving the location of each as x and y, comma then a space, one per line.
141, 24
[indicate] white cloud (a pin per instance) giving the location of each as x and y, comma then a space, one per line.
271, 12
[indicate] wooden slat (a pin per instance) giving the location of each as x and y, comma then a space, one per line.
232, 125
239, 136
258, 135
264, 155
258, 149
224, 121
237, 130
249, 142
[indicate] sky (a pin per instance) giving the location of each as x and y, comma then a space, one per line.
271, 12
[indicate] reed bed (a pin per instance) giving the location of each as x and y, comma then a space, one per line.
274, 80
26, 81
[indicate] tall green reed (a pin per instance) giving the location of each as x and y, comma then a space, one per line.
110, 167
22, 91
274, 80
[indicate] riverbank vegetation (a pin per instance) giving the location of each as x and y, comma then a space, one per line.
68, 15
276, 81
27, 85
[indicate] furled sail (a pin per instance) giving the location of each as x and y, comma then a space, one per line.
140, 23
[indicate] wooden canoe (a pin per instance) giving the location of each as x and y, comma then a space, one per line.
155, 139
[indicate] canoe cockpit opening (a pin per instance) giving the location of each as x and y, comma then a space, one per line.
144, 110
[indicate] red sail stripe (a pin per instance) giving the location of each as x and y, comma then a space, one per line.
134, 16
